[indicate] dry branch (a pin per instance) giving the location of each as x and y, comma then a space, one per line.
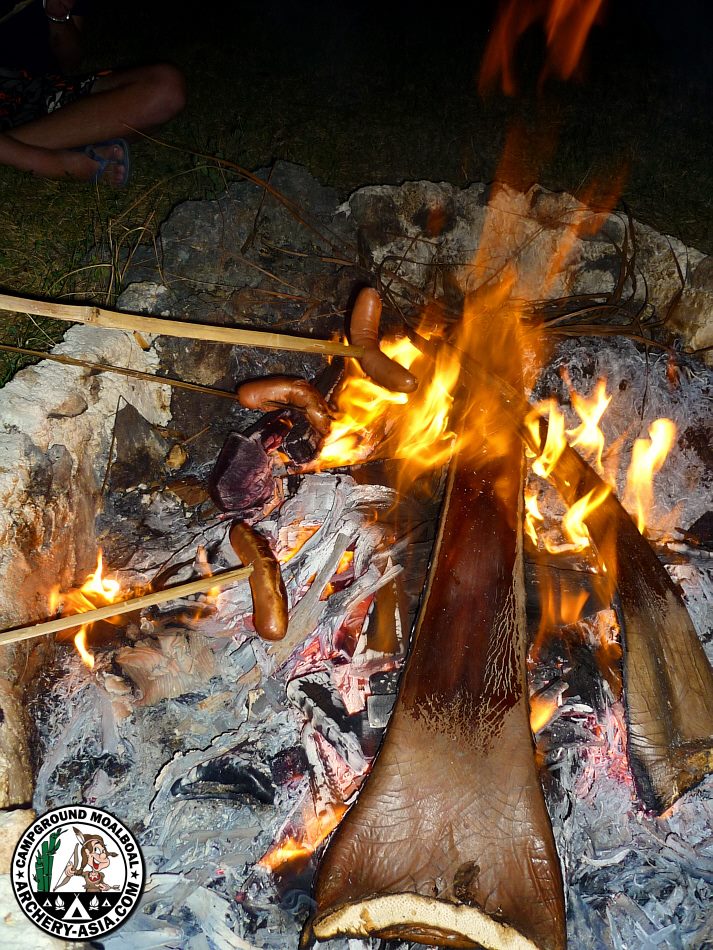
233, 336
199, 586
120, 370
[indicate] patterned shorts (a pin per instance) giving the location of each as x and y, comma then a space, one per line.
24, 97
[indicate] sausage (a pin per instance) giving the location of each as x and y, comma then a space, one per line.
275, 392
364, 331
266, 584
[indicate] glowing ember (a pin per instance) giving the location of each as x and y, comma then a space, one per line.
304, 842
345, 562
647, 457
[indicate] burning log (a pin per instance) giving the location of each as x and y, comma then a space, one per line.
668, 681
667, 678
449, 841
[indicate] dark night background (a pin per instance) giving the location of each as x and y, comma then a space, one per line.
369, 92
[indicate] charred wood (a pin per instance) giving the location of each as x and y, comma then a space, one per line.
668, 681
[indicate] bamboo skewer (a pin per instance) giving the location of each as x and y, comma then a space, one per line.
113, 320
121, 370
199, 586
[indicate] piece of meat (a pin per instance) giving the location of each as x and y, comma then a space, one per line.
364, 332
266, 584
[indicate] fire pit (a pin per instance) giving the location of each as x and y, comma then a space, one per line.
234, 757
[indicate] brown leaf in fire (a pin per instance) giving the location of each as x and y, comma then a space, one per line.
169, 667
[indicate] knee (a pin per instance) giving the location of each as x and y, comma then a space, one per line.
166, 91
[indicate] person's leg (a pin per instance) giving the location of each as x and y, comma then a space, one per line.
59, 163
133, 99
119, 102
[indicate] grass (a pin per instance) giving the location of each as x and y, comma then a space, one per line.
363, 94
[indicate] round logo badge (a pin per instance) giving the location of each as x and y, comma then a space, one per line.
77, 872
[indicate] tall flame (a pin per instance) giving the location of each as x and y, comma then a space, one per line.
647, 458
588, 435
567, 24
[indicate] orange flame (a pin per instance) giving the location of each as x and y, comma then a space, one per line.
372, 422
96, 591
557, 610
303, 843
573, 526
567, 25
80, 642
555, 443
647, 458
542, 711
588, 435
532, 514
205, 570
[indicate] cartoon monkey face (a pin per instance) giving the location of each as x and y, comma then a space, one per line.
95, 855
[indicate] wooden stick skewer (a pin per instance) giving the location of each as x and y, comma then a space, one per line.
114, 320
199, 586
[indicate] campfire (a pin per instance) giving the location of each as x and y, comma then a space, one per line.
392, 629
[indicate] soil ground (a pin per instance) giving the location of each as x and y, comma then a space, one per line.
368, 93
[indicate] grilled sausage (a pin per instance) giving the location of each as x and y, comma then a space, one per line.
364, 331
276, 392
266, 584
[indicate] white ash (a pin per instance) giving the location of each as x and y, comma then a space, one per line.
695, 581
201, 851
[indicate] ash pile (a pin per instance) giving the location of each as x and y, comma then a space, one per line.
233, 758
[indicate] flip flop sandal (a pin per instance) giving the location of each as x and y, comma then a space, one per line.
104, 163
